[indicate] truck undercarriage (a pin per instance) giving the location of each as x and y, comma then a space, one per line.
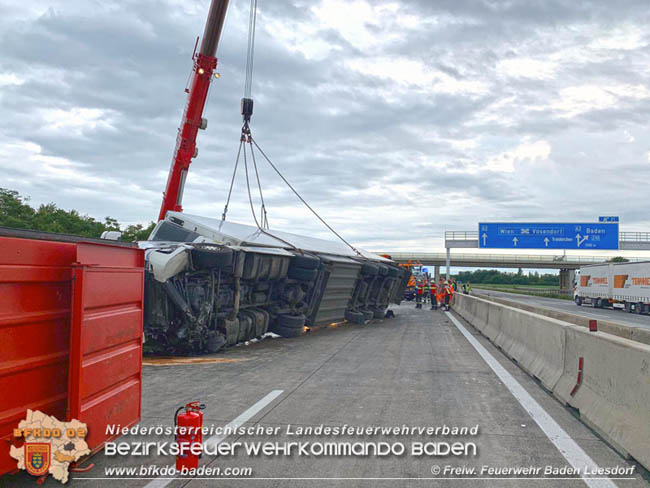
211, 285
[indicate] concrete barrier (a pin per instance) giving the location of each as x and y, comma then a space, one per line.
534, 341
614, 396
639, 334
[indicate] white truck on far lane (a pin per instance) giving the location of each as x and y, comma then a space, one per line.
615, 285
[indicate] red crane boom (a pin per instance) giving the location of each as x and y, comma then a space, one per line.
205, 63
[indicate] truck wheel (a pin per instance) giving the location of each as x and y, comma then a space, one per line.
286, 331
598, 303
578, 300
291, 321
306, 262
211, 257
302, 274
627, 306
369, 269
639, 308
354, 317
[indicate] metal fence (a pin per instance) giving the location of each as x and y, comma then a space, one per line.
459, 258
634, 236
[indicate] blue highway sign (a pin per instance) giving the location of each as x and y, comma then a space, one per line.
542, 235
608, 219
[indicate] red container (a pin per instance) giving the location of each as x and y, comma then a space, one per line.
70, 333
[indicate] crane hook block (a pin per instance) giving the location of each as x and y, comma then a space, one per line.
246, 109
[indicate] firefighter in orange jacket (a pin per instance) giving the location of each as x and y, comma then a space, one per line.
419, 292
447, 294
434, 295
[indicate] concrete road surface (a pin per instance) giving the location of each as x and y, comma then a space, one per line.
569, 306
421, 369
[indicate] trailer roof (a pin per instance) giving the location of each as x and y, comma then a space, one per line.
241, 234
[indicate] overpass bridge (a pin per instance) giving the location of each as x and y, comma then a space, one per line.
567, 264
471, 260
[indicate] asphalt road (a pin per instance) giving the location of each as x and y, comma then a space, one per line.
420, 369
569, 306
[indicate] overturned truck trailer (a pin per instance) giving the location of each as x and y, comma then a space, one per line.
211, 284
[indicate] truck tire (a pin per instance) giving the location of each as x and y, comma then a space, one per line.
393, 272
578, 301
302, 274
286, 331
367, 315
628, 307
639, 308
378, 314
207, 257
598, 303
291, 321
369, 269
354, 317
383, 270
304, 261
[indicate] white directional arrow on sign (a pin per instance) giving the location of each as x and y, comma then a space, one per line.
546, 241
515, 241
581, 239
484, 236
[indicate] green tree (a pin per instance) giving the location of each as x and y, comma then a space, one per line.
15, 212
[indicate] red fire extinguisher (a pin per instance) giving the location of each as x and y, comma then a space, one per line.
188, 427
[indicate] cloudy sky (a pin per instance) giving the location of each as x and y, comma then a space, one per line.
397, 120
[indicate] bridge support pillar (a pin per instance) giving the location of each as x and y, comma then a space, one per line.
448, 263
436, 274
567, 276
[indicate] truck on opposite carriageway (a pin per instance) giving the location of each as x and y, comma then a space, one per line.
623, 286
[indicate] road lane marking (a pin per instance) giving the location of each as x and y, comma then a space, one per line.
572, 452
232, 426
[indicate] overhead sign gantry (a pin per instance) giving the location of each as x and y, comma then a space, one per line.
546, 235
